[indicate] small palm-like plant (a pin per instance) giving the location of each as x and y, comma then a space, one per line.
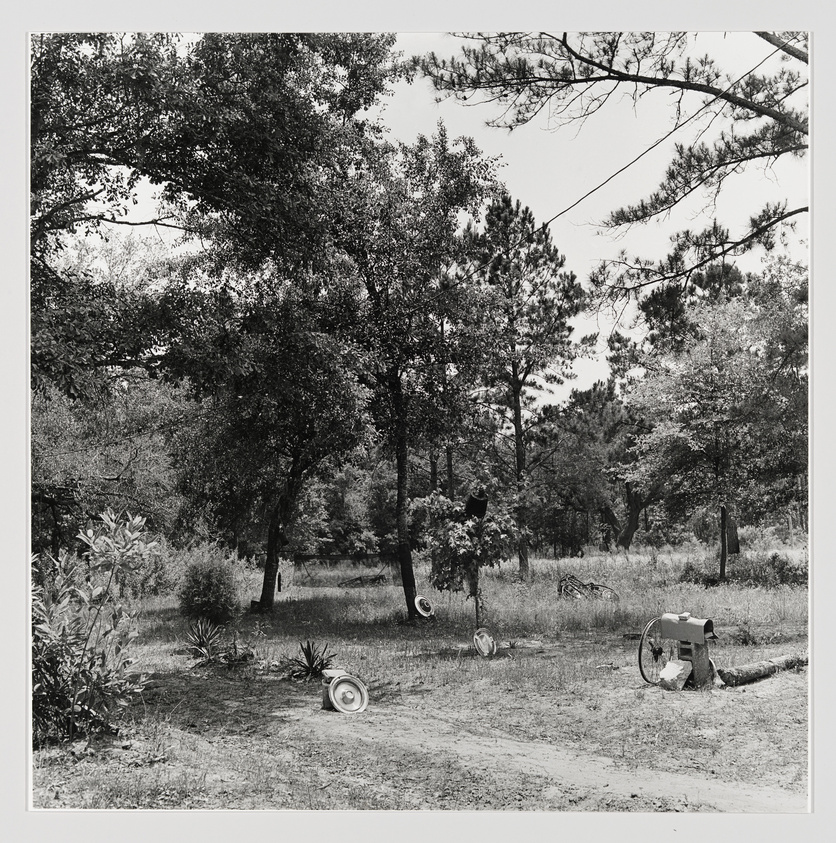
203, 637
311, 663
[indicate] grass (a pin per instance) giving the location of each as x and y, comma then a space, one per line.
201, 738
364, 625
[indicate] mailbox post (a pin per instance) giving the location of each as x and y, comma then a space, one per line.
691, 635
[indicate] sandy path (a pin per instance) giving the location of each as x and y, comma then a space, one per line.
383, 732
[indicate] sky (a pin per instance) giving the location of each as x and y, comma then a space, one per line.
550, 170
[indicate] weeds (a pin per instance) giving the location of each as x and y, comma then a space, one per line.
313, 661
754, 568
204, 637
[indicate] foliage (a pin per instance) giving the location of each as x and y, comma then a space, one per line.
120, 547
754, 568
729, 408
208, 591
280, 397
204, 637
241, 132
399, 226
526, 306
311, 663
80, 634
460, 546
111, 452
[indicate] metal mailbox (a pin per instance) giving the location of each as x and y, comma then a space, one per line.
685, 628
691, 635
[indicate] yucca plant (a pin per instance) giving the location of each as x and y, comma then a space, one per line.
311, 663
203, 637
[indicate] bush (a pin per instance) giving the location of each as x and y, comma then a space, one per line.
310, 665
701, 573
208, 590
767, 569
150, 577
80, 676
755, 568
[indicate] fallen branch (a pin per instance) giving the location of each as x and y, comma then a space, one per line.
750, 672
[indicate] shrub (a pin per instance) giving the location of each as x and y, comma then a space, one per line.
80, 676
208, 590
699, 574
755, 568
204, 637
311, 663
149, 577
460, 546
767, 569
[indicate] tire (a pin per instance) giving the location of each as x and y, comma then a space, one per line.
655, 651
604, 592
570, 589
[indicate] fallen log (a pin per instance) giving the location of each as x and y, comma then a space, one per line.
750, 672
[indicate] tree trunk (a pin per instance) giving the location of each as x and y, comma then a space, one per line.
635, 505
277, 527
611, 520
519, 453
731, 535
402, 465
723, 542
271, 563
750, 672
433, 471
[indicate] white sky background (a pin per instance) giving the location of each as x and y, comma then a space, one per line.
549, 170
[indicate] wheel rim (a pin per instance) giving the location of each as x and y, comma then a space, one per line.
484, 642
654, 651
423, 606
348, 694
571, 590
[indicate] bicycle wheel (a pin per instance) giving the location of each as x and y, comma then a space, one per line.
568, 588
655, 651
603, 592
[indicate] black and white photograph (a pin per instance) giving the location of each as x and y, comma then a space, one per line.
419, 421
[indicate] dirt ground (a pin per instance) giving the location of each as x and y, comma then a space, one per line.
226, 741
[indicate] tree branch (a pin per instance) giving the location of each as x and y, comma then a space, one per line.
781, 44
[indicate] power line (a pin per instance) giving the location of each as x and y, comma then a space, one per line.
634, 160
